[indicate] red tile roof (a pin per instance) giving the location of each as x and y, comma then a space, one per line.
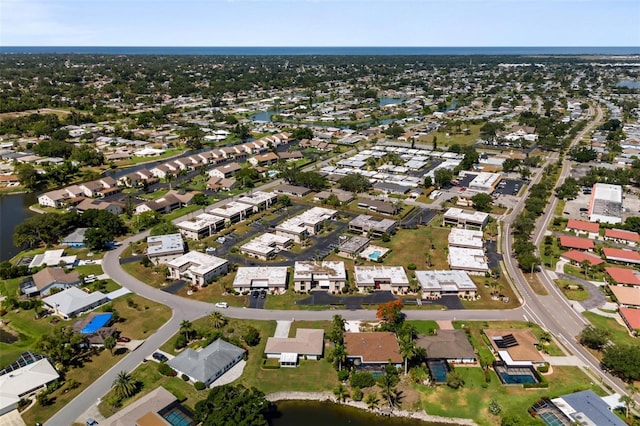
631, 317
576, 242
620, 254
623, 275
581, 225
620, 234
378, 347
580, 256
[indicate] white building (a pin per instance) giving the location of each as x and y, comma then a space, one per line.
199, 268
466, 238
388, 278
164, 248
232, 212
325, 275
259, 200
307, 223
465, 219
485, 182
73, 301
606, 203
435, 284
266, 246
24, 382
468, 259
202, 226
271, 278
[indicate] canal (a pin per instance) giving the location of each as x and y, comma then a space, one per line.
14, 208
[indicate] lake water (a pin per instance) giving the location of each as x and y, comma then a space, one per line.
631, 84
313, 413
14, 209
389, 101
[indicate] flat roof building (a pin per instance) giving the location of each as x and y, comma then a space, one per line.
465, 219
260, 200
368, 225
485, 182
353, 246
266, 246
307, 223
435, 284
388, 278
467, 259
199, 268
272, 278
466, 238
606, 203
202, 226
324, 275
163, 248
233, 211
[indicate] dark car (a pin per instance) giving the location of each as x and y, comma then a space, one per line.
123, 339
255, 294
160, 357
263, 294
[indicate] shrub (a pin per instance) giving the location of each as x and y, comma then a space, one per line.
181, 342
361, 379
357, 395
252, 336
455, 380
185, 377
165, 370
199, 386
343, 375
411, 266
146, 262
544, 368
494, 408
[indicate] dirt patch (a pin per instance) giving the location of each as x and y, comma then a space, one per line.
410, 397
7, 337
34, 111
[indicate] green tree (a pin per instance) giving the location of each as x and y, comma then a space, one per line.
482, 202
339, 355
372, 401
110, 343
200, 199
594, 337
628, 400
217, 320
124, 386
387, 384
341, 393
97, 238
233, 405
251, 336
394, 131
510, 164
186, 328
454, 380
355, 182
623, 361
442, 177
407, 350
336, 332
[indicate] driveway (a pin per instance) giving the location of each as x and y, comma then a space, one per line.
350, 302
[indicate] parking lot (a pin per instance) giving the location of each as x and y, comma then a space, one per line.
508, 187
257, 299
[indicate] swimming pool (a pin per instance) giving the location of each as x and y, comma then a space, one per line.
550, 419
439, 370
96, 323
374, 255
515, 375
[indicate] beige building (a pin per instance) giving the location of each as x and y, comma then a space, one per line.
325, 275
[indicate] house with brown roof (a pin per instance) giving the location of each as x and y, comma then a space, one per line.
50, 278
292, 190
450, 345
621, 236
628, 297
372, 351
308, 344
631, 318
584, 228
264, 159
93, 204
515, 346
226, 171
153, 409
216, 183
576, 243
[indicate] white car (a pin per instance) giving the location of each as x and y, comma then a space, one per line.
222, 305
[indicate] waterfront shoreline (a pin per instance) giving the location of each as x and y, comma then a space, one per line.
329, 397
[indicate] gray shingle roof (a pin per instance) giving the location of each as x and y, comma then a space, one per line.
203, 365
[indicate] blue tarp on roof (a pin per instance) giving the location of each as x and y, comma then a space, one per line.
97, 323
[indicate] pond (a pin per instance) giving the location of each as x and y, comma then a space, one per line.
315, 413
14, 209
631, 84
389, 101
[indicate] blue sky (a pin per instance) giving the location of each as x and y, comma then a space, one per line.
319, 23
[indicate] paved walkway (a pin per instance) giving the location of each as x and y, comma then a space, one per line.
352, 326
282, 329
570, 360
12, 418
230, 376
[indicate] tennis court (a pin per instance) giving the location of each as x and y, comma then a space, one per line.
97, 323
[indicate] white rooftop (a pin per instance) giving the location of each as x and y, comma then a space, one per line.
265, 243
445, 281
52, 258
23, 380
607, 192
467, 259
232, 208
72, 300
310, 217
261, 276
465, 238
199, 263
319, 270
367, 275
203, 220
466, 215
161, 244
257, 197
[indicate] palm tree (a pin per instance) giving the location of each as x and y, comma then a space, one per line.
339, 355
110, 343
407, 350
186, 327
124, 386
629, 399
217, 320
387, 384
372, 401
341, 392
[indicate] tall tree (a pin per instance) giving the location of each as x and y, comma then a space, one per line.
407, 350
217, 320
110, 343
124, 386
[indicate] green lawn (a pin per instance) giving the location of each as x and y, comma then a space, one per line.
141, 317
153, 275
410, 246
473, 399
424, 326
11, 287
571, 290
619, 334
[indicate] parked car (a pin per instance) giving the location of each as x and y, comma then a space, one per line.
255, 294
263, 294
222, 305
123, 339
160, 357
91, 422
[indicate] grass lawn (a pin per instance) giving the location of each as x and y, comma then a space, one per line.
571, 290
89, 269
619, 333
535, 284
141, 316
182, 211
411, 245
424, 326
137, 160
472, 400
285, 301
152, 275
147, 374
485, 301
11, 287
91, 370
450, 138
215, 292
295, 325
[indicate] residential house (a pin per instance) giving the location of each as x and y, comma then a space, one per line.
226, 171
324, 275
73, 301
515, 347
471, 260
623, 276
307, 223
631, 318
387, 278
628, 297
307, 344
292, 190
266, 246
199, 268
201, 226
342, 196
465, 219
52, 258
271, 278
217, 183
158, 407
372, 351
290, 155
25, 382
260, 200
622, 237
56, 198
378, 206
75, 239
451, 346
264, 159
209, 363
581, 227
232, 212
353, 246
114, 208
49, 278
621, 255
576, 243
576, 257
165, 248
585, 408
466, 238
